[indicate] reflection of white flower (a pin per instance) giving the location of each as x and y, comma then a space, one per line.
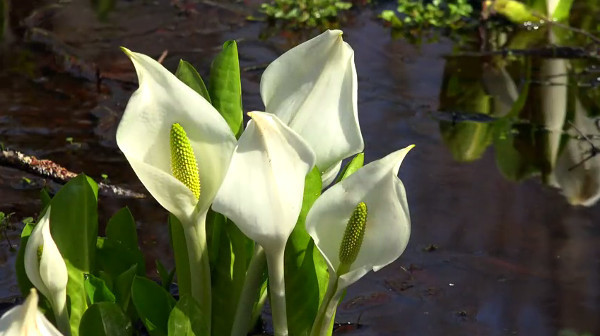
313, 89
27, 320
47, 270
262, 193
577, 171
386, 230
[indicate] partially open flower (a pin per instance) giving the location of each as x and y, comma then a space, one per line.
47, 270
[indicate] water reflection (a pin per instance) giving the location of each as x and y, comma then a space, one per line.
530, 109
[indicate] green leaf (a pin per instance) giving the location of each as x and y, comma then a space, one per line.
305, 269
153, 304
121, 227
166, 277
351, 167
226, 88
188, 74
185, 319
182, 264
97, 290
228, 274
562, 11
122, 288
105, 319
74, 228
115, 258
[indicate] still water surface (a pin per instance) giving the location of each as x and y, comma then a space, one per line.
501, 243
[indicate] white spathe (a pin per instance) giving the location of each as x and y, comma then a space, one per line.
143, 135
263, 189
48, 271
27, 320
313, 89
388, 221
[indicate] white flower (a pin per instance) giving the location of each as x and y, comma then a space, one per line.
387, 225
313, 89
27, 320
47, 270
143, 135
262, 193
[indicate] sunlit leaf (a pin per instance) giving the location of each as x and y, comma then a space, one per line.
188, 74
225, 86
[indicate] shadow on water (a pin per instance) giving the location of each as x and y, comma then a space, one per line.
494, 249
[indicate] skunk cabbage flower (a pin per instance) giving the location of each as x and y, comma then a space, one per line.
359, 224
47, 270
144, 134
180, 147
373, 197
312, 88
27, 320
262, 193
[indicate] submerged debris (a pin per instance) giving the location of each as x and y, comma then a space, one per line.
56, 172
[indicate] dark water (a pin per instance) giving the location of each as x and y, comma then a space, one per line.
501, 243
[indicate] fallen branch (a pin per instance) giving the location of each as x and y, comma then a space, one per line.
57, 173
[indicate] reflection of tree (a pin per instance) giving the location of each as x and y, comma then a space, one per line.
529, 119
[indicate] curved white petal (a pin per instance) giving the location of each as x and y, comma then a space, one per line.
262, 192
313, 89
577, 171
48, 272
143, 135
26, 320
388, 221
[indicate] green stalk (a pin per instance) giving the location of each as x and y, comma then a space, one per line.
250, 292
321, 324
277, 290
195, 238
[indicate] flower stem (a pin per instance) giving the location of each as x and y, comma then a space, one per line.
277, 290
323, 320
61, 315
195, 238
250, 293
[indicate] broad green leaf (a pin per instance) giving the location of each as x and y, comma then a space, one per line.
105, 319
305, 269
76, 296
185, 319
182, 264
97, 290
115, 258
153, 304
516, 11
121, 227
122, 288
74, 221
188, 74
74, 228
228, 274
225, 86
351, 167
